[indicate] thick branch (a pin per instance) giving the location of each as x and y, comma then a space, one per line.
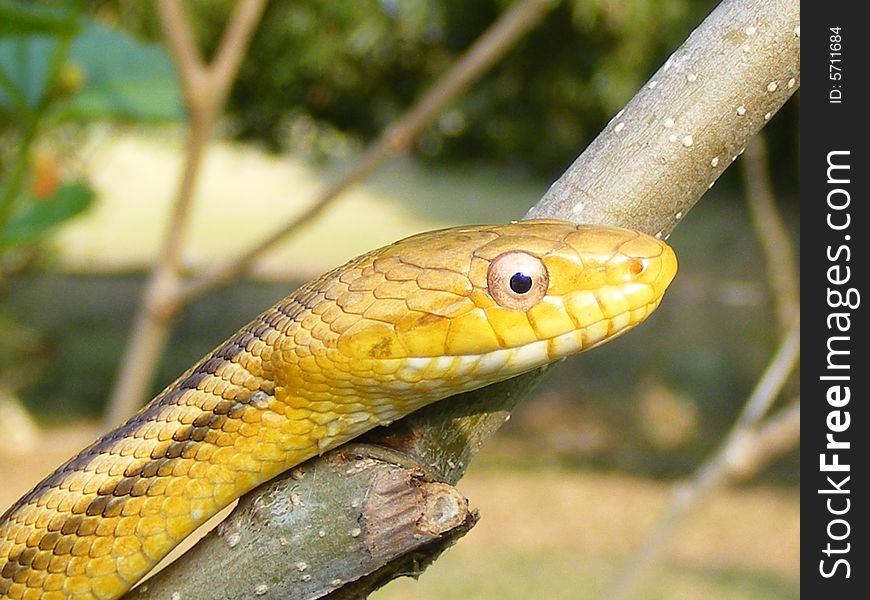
677, 136
691, 120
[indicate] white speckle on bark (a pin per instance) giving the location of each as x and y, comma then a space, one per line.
771, 87
672, 137
668, 123
691, 77
767, 116
714, 161
659, 235
679, 215
619, 114
355, 532
797, 30
652, 84
301, 566
791, 83
688, 141
741, 110
261, 590
175, 596
619, 127
321, 533
751, 30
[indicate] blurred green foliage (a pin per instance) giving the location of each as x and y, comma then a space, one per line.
322, 76
58, 66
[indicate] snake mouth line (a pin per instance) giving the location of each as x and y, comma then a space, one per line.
506, 362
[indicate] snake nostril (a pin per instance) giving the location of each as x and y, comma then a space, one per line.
637, 267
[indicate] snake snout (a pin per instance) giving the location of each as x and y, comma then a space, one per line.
649, 261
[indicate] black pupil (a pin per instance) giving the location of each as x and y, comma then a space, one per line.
520, 283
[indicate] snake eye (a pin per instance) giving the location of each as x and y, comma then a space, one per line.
517, 280
521, 283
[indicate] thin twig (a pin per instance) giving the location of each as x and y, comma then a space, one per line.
179, 39
234, 43
771, 232
777, 435
772, 381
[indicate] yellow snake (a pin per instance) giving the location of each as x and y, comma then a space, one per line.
367, 343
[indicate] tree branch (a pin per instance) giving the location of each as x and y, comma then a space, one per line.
711, 96
691, 120
234, 44
179, 39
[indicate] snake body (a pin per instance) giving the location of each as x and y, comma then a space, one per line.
389, 332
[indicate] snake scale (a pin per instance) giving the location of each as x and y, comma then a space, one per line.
393, 330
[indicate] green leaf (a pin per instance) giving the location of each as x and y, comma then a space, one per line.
20, 19
107, 75
124, 78
35, 217
24, 71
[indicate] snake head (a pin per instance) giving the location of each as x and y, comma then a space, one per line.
484, 303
